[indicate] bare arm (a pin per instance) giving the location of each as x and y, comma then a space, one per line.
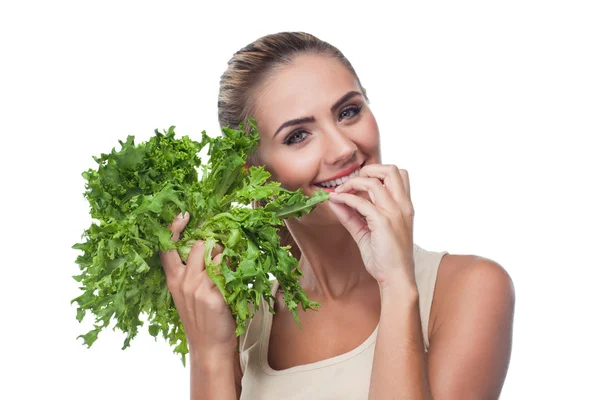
214, 379
399, 364
206, 319
469, 352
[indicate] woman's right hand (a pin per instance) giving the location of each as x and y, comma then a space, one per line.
206, 317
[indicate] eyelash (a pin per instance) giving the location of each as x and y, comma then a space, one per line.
287, 141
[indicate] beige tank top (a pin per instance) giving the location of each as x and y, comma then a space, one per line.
345, 376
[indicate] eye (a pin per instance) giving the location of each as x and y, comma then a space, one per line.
299, 136
349, 110
295, 137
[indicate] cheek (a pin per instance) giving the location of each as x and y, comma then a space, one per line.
367, 137
294, 169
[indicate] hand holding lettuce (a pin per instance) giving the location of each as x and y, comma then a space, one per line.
205, 316
136, 193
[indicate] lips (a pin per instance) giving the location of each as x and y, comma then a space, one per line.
342, 173
331, 190
330, 184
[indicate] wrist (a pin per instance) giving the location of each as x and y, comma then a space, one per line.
397, 298
212, 377
210, 360
398, 291
398, 283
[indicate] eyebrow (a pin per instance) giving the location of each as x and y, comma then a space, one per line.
299, 121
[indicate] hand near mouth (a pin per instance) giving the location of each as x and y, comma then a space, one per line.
382, 225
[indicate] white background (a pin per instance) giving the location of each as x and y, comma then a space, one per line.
492, 107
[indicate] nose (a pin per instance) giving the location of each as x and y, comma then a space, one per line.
339, 149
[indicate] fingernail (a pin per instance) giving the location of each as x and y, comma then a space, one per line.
182, 216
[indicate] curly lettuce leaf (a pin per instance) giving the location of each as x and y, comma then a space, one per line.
135, 193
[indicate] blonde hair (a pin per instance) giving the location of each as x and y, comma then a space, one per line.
250, 67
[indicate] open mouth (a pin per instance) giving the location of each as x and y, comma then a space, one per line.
329, 186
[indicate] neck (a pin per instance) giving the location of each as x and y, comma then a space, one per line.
331, 261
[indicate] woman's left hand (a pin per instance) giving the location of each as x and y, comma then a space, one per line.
383, 226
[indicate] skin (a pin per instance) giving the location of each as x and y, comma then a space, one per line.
356, 260
331, 262
334, 273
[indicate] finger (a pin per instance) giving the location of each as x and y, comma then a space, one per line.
195, 260
216, 260
380, 196
217, 250
200, 257
171, 259
363, 206
178, 225
405, 180
192, 277
390, 176
193, 288
350, 219
172, 264
211, 298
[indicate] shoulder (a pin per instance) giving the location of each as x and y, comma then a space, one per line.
471, 338
468, 279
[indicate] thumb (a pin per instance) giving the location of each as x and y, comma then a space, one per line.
178, 225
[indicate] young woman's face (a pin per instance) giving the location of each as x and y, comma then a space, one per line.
315, 124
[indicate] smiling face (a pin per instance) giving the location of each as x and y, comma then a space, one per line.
315, 124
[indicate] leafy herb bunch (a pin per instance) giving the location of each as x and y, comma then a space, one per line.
136, 192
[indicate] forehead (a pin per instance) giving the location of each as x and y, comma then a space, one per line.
309, 86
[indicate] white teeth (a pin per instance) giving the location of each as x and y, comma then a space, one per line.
339, 181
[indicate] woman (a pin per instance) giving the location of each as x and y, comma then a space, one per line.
396, 321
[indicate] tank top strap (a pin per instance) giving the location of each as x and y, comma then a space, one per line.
426, 268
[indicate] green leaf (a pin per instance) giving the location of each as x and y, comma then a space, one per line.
136, 192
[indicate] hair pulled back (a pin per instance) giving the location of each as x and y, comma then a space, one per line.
250, 67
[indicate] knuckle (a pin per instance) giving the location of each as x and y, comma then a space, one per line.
406, 210
175, 286
210, 299
200, 297
214, 302
172, 285
198, 245
384, 221
188, 289
163, 259
373, 183
170, 268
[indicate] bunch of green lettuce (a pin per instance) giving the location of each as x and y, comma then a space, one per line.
135, 194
